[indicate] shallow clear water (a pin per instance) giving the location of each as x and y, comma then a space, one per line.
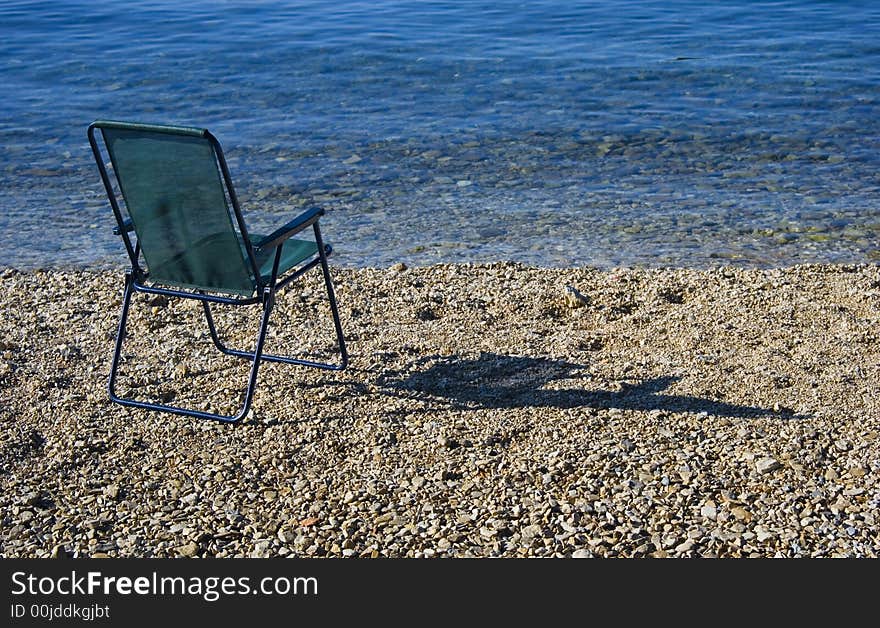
546, 132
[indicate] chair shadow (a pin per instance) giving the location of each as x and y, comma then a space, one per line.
495, 381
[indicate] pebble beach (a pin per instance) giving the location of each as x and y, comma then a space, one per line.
493, 410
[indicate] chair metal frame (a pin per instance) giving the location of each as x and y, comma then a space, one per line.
136, 278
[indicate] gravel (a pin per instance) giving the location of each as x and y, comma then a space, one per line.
667, 413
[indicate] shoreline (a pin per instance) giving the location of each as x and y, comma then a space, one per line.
486, 412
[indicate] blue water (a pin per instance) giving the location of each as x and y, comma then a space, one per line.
548, 132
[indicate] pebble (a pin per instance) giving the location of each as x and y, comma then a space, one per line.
762, 534
287, 535
767, 465
531, 531
448, 443
574, 298
59, 551
685, 547
741, 513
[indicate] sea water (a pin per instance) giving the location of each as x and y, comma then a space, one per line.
548, 132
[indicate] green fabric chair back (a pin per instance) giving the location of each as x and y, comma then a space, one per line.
175, 197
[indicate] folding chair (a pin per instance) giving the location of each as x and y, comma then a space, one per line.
190, 239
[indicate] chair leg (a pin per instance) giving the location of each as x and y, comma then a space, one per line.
268, 303
331, 294
268, 357
120, 335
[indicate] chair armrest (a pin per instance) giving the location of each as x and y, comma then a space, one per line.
305, 219
126, 224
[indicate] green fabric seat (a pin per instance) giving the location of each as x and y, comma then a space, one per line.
293, 253
185, 235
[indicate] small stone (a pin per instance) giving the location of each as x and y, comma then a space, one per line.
780, 409
448, 443
426, 314
309, 521
573, 298
839, 506
191, 498
767, 465
261, 549
831, 475
189, 550
399, 267
111, 491
287, 535
582, 553
842, 445
687, 546
741, 513
762, 534
59, 552
531, 531
352, 160
709, 511
384, 518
